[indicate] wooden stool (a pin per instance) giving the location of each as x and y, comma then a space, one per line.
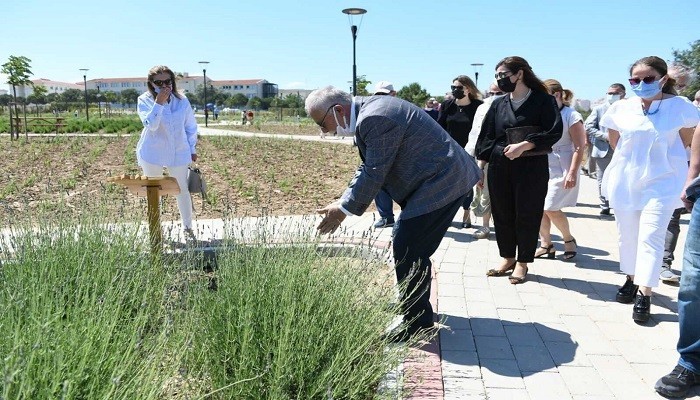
152, 188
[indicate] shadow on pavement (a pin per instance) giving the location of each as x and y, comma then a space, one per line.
503, 347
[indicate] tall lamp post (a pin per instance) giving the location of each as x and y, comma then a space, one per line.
477, 69
85, 70
353, 29
206, 111
99, 103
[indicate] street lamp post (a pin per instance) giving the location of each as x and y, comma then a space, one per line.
99, 105
206, 112
353, 29
85, 70
477, 68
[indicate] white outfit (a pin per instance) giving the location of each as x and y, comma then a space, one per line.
168, 139
481, 204
645, 177
559, 163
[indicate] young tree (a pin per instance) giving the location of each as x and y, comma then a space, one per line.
129, 96
690, 58
414, 93
238, 100
362, 84
18, 73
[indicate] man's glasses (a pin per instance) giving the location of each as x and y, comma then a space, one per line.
325, 115
647, 80
501, 75
453, 87
159, 83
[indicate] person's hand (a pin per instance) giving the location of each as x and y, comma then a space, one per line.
194, 158
164, 95
570, 180
480, 183
687, 203
513, 151
333, 217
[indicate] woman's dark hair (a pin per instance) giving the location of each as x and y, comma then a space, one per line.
515, 64
659, 65
161, 69
472, 91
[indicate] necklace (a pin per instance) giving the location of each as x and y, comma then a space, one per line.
647, 112
521, 100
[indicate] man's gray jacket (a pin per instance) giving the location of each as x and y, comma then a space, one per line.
598, 135
407, 153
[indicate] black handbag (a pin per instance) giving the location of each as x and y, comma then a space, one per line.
518, 134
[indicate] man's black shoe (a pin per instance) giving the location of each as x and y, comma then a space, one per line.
677, 383
403, 334
384, 223
605, 211
627, 292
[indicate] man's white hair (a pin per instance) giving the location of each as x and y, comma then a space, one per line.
324, 98
679, 71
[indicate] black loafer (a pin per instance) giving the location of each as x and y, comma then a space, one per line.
642, 306
626, 293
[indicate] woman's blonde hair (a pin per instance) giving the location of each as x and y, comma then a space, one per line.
554, 86
162, 69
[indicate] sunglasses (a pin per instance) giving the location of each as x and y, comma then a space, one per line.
501, 75
647, 80
325, 115
160, 83
456, 87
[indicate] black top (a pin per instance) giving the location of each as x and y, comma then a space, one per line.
540, 109
457, 120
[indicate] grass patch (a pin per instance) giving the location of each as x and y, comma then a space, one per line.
84, 315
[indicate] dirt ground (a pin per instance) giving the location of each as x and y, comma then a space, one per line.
245, 176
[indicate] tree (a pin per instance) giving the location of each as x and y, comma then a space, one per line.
362, 84
129, 96
414, 93
690, 58
255, 103
71, 95
18, 72
110, 96
238, 100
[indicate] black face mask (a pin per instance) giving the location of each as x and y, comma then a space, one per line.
506, 85
458, 93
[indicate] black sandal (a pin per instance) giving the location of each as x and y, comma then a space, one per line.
516, 280
568, 255
549, 253
498, 272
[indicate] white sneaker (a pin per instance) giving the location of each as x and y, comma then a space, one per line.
482, 233
667, 275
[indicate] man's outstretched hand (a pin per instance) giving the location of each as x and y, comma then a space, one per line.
333, 217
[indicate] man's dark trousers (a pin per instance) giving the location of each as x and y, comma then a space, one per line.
415, 240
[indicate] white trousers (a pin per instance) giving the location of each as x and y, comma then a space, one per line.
184, 201
641, 237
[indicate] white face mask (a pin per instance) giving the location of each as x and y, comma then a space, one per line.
342, 130
156, 89
613, 98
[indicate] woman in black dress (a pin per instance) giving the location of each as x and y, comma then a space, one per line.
456, 117
518, 169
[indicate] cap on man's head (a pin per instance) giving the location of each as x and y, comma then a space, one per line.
384, 87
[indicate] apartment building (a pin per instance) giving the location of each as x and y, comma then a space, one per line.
50, 85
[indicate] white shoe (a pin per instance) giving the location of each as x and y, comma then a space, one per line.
482, 233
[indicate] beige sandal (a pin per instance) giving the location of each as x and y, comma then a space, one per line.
482, 233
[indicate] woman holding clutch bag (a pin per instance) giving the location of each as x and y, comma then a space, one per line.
564, 163
646, 174
169, 136
518, 167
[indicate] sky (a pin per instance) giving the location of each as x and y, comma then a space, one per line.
307, 44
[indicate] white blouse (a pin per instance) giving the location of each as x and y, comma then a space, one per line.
169, 135
649, 166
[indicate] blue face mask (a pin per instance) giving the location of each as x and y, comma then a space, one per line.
647, 90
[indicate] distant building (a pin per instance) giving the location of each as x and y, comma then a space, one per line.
248, 87
50, 85
185, 84
303, 93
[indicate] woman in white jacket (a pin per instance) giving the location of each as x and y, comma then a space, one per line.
169, 136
